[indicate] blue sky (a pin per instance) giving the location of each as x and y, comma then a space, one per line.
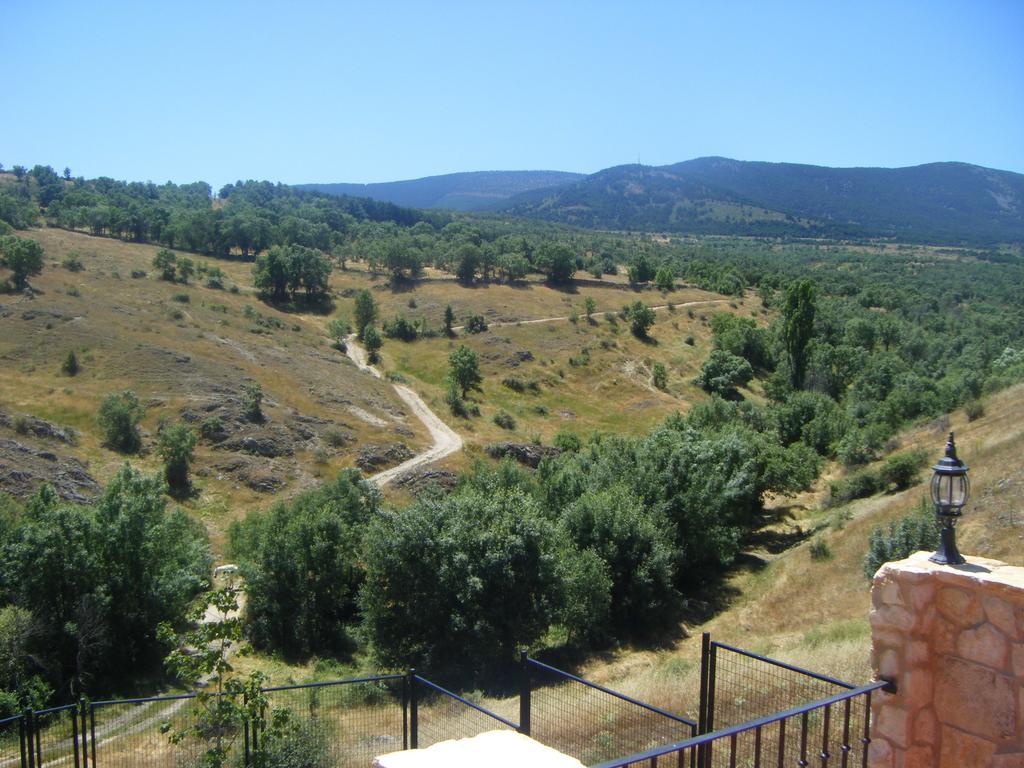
375, 91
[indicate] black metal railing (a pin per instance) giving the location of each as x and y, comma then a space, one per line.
591, 722
437, 714
822, 731
753, 711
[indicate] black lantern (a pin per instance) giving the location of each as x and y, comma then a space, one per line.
950, 489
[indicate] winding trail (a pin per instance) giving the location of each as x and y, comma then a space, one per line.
446, 440
659, 308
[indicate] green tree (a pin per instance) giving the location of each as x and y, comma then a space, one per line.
464, 370
252, 402
638, 549
455, 584
118, 419
186, 269
641, 318
176, 446
166, 262
449, 320
373, 342
798, 312
23, 257
339, 329
665, 280
70, 366
557, 261
364, 312
659, 376
722, 372
303, 566
589, 307
642, 270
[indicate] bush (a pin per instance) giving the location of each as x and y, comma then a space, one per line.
176, 446
855, 486
820, 550
659, 376
72, 290
252, 402
400, 328
70, 366
641, 318
504, 420
118, 419
336, 437
373, 342
181, 298
567, 442
902, 538
475, 324
903, 469
974, 410
138, 274
72, 262
212, 429
722, 372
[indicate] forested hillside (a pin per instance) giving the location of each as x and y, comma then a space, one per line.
474, 191
937, 203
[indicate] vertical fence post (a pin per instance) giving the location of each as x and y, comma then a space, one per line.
414, 715
709, 721
84, 717
702, 706
405, 711
36, 731
245, 728
22, 736
92, 732
74, 735
524, 693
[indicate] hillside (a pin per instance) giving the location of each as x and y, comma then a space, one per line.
939, 202
480, 190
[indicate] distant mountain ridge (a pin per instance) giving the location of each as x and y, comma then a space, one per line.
473, 191
937, 202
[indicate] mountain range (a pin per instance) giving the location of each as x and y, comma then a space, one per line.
946, 203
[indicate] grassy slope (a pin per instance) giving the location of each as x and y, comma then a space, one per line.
123, 332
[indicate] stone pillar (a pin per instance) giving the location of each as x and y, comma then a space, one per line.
952, 639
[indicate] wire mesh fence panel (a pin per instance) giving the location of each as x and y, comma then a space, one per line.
11, 735
142, 733
56, 736
442, 718
747, 687
593, 725
342, 724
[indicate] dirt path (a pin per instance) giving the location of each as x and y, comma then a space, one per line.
658, 308
446, 440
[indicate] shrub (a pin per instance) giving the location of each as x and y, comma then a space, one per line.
252, 402
641, 318
455, 402
820, 550
176, 446
514, 383
567, 441
70, 365
974, 410
659, 376
336, 437
690, 341
181, 298
211, 429
903, 469
72, 290
400, 328
855, 486
22, 424
476, 324
118, 420
373, 342
722, 372
504, 420
72, 262
138, 274
901, 539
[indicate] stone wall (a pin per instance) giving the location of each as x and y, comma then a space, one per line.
952, 639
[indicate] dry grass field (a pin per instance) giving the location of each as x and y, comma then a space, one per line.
189, 351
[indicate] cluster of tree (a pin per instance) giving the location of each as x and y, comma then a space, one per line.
22, 257
283, 270
84, 588
597, 546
